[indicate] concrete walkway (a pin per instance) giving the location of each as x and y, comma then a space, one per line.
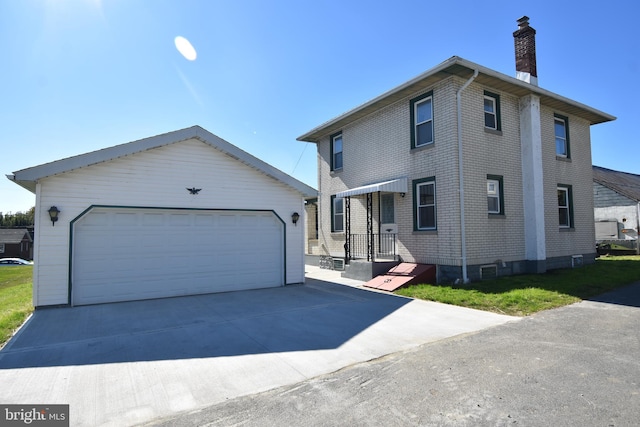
130, 363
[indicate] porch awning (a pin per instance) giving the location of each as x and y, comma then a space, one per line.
394, 186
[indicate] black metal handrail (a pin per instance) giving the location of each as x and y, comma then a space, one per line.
372, 247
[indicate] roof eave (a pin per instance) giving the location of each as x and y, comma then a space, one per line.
462, 68
28, 185
28, 178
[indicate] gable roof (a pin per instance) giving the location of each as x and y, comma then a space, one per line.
13, 235
28, 178
456, 66
626, 184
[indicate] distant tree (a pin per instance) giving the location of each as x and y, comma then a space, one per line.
18, 219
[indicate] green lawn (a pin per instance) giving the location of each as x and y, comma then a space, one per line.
527, 294
15, 298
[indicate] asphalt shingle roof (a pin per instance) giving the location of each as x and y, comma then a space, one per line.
12, 235
624, 183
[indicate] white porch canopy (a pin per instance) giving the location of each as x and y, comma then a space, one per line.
394, 186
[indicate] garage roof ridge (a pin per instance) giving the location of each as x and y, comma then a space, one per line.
28, 177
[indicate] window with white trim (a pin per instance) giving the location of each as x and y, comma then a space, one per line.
337, 214
336, 152
492, 119
561, 131
494, 195
490, 116
424, 196
422, 120
565, 205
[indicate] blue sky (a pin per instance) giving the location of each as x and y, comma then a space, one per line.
80, 75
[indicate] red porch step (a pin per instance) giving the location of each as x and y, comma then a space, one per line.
403, 274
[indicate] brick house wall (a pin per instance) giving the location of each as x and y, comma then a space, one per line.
377, 148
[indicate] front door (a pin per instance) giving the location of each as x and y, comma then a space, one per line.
388, 226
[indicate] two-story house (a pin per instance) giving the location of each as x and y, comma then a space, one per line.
462, 167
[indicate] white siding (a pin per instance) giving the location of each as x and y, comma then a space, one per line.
156, 178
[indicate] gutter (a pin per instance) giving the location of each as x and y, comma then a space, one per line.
463, 238
443, 70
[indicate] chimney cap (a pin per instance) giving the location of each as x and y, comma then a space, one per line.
523, 22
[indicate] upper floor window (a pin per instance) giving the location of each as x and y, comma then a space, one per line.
337, 214
424, 197
565, 206
495, 198
422, 120
492, 119
561, 130
336, 151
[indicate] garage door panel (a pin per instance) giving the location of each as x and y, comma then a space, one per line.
122, 254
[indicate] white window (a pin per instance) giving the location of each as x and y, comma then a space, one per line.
423, 126
336, 152
337, 214
490, 115
564, 207
493, 196
562, 143
425, 204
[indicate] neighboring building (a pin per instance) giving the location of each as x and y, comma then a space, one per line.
463, 167
181, 213
616, 201
16, 243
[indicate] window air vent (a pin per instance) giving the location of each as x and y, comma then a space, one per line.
338, 264
488, 272
576, 261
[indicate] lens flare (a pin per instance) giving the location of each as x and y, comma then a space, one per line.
185, 48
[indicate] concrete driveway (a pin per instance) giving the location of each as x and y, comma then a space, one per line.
129, 363
573, 366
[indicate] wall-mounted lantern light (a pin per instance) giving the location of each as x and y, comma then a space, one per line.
53, 214
295, 217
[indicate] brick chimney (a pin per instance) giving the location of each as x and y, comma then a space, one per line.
525, 43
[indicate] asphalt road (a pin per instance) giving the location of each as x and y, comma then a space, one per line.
574, 366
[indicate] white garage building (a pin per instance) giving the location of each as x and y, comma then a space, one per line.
181, 213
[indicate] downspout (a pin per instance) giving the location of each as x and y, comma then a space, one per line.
463, 238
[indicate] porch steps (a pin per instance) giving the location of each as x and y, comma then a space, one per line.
403, 274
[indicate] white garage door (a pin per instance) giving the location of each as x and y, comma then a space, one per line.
122, 254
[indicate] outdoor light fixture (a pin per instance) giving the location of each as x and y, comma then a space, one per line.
53, 214
295, 217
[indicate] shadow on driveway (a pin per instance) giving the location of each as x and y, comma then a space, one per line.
314, 316
629, 296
